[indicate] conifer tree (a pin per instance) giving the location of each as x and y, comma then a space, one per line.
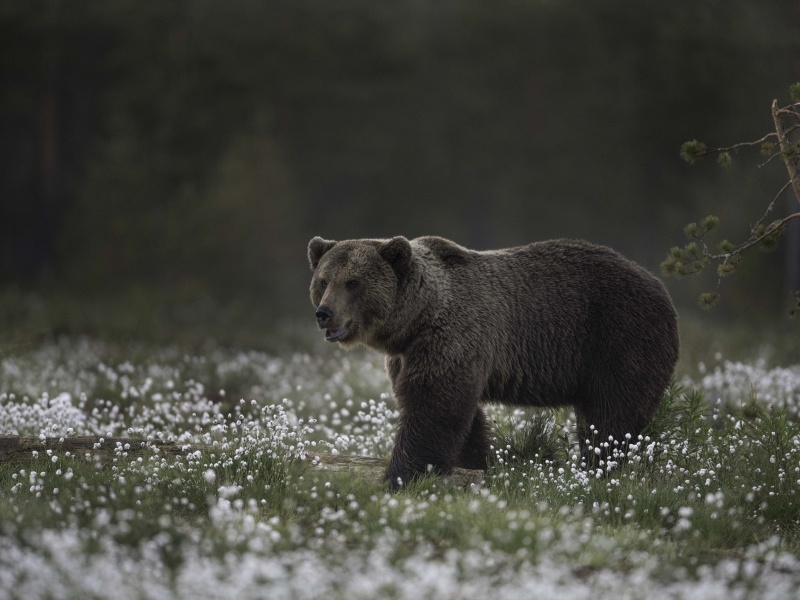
699, 252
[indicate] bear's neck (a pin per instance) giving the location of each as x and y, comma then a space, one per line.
416, 297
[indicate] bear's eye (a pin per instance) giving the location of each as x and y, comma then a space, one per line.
351, 285
323, 284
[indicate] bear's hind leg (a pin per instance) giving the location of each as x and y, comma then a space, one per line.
594, 430
587, 437
475, 451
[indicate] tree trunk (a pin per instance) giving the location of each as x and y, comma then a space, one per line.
790, 157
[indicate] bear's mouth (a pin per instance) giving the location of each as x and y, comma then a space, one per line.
336, 335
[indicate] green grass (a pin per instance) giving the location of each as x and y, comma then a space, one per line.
711, 491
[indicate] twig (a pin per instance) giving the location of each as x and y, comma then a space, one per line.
772, 204
741, 144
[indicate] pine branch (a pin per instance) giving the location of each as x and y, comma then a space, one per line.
696, 255
774, 229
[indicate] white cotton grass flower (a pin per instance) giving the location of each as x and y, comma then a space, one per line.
736, 384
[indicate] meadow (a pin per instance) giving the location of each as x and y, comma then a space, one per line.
706, 505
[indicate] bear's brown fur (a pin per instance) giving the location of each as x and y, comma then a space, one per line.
554, 323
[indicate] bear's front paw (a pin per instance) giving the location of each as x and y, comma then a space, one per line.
397, 476
400, 474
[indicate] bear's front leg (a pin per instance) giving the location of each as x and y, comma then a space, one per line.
436, 417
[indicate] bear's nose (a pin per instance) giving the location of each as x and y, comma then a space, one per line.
324, 316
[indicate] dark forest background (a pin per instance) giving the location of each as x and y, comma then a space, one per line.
172, 159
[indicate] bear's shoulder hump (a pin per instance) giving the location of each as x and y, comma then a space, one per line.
450, 253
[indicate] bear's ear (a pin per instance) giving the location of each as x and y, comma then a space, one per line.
317, 247
397, 252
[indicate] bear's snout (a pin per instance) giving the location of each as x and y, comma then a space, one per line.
332, 332
324, 316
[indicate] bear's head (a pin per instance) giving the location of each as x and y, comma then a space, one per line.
356, 285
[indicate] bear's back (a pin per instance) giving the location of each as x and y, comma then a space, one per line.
560, 304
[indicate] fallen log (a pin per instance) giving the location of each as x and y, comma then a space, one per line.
24, 450
18, 449
373, 469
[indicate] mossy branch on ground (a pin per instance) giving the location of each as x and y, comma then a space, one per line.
23, 450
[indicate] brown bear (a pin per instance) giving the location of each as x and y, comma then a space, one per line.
553, 323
